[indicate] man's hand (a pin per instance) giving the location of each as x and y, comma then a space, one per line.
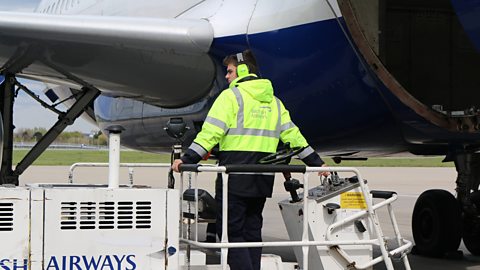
176, 165
326, 174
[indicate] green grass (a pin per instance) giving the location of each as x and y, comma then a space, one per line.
68, 157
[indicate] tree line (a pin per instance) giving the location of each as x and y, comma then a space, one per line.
32, 135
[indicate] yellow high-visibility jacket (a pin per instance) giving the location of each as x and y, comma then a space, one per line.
247, 121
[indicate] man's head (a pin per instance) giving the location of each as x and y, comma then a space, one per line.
232, 62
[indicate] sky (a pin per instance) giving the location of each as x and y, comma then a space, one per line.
27, 112
18, 5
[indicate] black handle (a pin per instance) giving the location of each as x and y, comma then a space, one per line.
381, 194
359, 225
294, 195
189, 167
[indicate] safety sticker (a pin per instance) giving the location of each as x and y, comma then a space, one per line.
352, 200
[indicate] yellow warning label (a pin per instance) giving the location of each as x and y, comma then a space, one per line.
352, 200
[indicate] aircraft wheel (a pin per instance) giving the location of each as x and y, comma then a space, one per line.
471, 227
436, 223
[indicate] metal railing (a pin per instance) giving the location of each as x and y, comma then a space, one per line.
381, 241
130, 167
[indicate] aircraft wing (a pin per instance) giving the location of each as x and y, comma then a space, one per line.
145, 58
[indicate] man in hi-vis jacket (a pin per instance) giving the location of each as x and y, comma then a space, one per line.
247, 121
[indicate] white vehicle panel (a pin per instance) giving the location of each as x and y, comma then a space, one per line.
121, 228
14, 227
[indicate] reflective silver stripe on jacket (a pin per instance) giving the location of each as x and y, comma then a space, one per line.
216, 122
241, 108
287, 126
241, 130
306, 152
279, 122
198, 149
253, 132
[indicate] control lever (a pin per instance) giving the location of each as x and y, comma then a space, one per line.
335, 179
331, 207
291, 185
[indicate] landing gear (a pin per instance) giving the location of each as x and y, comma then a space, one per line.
471, 227
8, 175
7, 97
436, 223
440, 220
468, 180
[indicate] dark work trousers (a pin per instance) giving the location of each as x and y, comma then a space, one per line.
244, 225
211, 233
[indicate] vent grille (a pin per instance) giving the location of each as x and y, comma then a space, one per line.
106, 215
88, 215
69, 215
6, 217
144, 215
125, 215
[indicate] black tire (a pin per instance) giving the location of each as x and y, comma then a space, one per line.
436, 223
471, 228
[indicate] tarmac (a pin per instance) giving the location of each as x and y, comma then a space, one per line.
409, 183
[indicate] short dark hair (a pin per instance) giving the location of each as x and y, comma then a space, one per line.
249, 60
